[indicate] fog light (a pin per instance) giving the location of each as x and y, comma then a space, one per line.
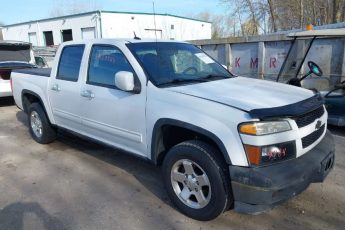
262, 155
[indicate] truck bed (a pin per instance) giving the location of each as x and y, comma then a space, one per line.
44, 72
32, 80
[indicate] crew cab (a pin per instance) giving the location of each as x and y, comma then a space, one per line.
222, 141
13, 55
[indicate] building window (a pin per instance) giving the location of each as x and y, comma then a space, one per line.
48, 37
66, 35
172, 27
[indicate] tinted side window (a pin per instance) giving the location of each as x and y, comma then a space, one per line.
105, 62
69, 64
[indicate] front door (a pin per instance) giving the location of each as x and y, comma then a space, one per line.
109, 114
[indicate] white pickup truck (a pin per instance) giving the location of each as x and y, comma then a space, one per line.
222, 141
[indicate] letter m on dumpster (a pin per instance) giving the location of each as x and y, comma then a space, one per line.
254, 63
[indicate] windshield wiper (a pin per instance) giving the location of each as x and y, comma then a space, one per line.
214, 76
177, 81
197, 80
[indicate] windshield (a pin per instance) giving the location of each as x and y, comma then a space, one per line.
169, 63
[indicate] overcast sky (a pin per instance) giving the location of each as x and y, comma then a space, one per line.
13, 11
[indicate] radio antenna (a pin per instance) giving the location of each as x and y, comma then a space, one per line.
135, 36
154, 18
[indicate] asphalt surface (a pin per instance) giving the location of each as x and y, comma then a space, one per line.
75, 184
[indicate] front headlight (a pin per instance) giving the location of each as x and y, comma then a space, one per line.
264, 127
263, 155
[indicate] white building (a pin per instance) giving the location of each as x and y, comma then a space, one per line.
107, 24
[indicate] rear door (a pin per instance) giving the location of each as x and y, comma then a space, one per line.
109, 114
64, 88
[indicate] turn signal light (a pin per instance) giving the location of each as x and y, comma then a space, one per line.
253, 154
249, 128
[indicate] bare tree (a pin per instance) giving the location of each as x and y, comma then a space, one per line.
253, 22
270, 4
338, 10
253, 14
65, 7
284, 14
222, 25
301, 15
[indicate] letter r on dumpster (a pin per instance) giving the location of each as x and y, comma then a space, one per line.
273, 62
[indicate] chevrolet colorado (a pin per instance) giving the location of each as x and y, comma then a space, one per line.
222, 141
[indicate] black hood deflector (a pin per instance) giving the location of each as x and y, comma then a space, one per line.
292, 110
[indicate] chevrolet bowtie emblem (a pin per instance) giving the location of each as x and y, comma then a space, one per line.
318, 124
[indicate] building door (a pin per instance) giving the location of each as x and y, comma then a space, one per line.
153, 33
48, 37
88, 33
67, 35
33, 38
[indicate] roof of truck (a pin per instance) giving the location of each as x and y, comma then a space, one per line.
319, 33
121, 40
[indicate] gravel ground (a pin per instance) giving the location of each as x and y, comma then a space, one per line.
75, 184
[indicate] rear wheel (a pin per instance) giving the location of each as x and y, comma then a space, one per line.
40, 128
196, 180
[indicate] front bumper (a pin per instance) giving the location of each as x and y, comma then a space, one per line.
258, 189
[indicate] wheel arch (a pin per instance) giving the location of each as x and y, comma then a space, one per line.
159, 148
28, 97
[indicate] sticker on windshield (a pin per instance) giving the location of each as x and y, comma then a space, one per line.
203, 57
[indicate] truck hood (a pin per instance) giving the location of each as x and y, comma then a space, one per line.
245, 93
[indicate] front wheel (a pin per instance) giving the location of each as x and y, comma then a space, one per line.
196, 180
40, 128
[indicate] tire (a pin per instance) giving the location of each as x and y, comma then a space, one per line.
184, 169
40, 128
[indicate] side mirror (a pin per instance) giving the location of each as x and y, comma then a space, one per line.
314, 68
124, 80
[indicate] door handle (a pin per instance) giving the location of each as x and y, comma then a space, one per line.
56, 88
88, 94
